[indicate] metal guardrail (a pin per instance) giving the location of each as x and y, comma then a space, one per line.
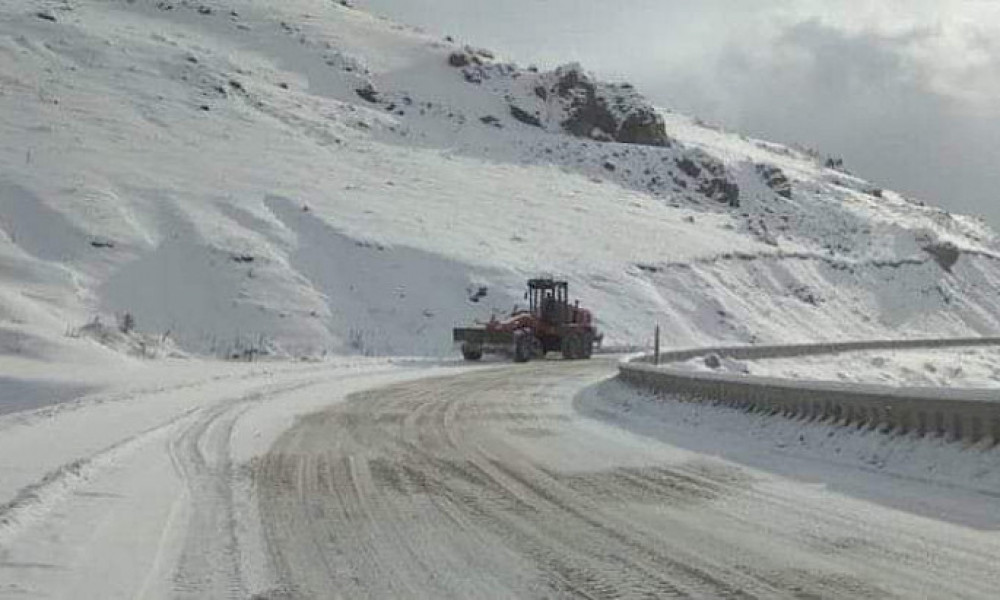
956, 414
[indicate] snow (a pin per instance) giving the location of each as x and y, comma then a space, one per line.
942, 368
928, 476
25, 394
114, 500
210, 170
216, 175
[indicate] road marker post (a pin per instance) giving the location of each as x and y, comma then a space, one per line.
656, 345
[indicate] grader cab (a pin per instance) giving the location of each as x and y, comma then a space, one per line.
551, 324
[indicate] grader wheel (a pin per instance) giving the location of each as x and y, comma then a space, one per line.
572, 346
472, 352
524, 347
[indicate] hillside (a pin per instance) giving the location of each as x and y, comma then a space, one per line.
302, 178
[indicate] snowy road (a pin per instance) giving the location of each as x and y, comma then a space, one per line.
375, 480
490, 484
142, 490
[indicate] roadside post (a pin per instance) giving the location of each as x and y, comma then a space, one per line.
656, 346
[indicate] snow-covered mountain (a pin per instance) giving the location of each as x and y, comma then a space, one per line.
301, 177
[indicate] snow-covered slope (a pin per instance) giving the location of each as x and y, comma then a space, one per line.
302, 177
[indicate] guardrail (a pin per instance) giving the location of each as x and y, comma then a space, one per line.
955, 414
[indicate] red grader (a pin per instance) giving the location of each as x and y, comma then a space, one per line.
551, 324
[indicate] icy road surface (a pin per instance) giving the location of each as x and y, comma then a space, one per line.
375, 480
490, 484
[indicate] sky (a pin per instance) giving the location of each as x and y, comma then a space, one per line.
906, 91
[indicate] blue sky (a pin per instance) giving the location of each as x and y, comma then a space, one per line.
905, 90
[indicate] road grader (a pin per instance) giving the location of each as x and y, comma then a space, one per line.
550, 324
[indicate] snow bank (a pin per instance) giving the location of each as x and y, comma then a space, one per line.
928, 475
953, 368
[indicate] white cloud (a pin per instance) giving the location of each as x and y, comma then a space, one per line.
905, 90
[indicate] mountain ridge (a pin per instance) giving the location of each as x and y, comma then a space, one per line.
306, 179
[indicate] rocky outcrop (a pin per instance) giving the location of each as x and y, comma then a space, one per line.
459, 60
945, 254
711, 178
775, 178
368, 93
606, 112
524, 116
568, 99
644, 127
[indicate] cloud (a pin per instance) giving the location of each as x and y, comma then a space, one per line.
873, 97
904, 90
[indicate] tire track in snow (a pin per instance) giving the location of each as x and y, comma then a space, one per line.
34, 501
434, 489
210, 563
398, 490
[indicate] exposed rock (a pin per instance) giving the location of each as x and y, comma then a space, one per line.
478, 293
688, 167
589, 114
470, 56
644, 127
807, 295
590, 118
775, 179
472, 76
945, 254
458, 59
368, 93
711, 176
836, 164
524, 116
721, 190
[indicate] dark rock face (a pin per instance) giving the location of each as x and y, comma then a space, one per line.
524, 116
643, 127
945, 254
711, 177
589, 114
459, 60
469, 56
721, 190
775, 179
368, 94
837, 164
589, 109
688, 167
